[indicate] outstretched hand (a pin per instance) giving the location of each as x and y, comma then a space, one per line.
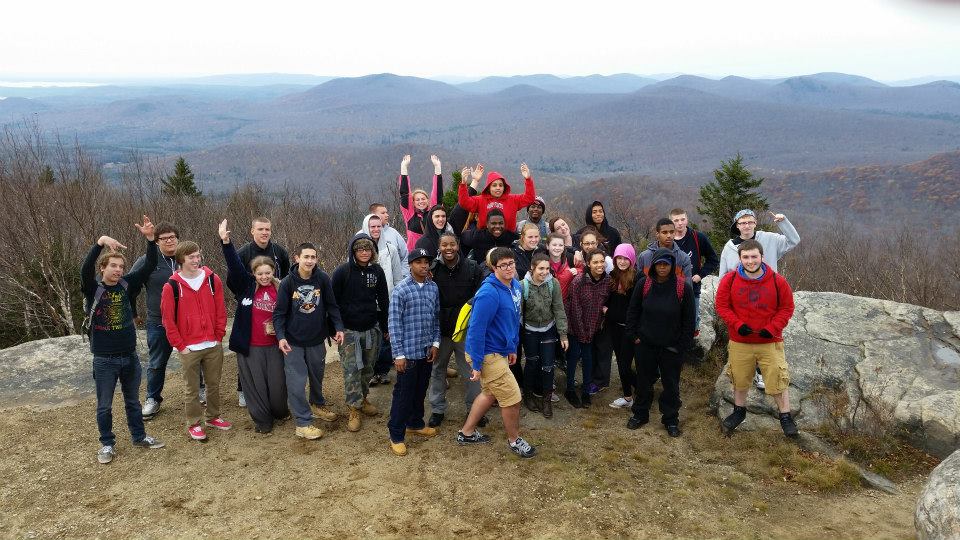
404, 163
777, 218
146, 229
525, 171
436, 164
223, 232
110, 243
477, 173
465, 174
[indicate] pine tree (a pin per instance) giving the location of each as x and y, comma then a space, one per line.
733, 189
449, 199
181, 182
47, 177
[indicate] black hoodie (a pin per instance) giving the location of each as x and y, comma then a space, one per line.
661, 319
480, 241
361, 291
306, 308
430, 240
611, 234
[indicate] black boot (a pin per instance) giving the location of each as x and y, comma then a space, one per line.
573, 398
586, 399
788, 425
546, 406
737, 417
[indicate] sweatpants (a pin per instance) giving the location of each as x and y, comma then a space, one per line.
406, 411
438, 377
209, 363
265, 385
652, 359
301, 364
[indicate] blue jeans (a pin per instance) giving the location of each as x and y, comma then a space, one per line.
406, 410
160, 350
541, 352
583, 352
107, 370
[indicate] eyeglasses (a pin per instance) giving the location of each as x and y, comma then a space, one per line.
506, 266
359, 249
746, 223
170, 238
588, 243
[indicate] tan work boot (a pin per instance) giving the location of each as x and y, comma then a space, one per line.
425, 431
368, 408
398, 448
451, 372
353, 424
323, 413
309, 432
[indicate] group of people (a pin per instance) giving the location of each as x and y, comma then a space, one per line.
508, 301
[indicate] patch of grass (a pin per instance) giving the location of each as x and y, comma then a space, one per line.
887, 455
789, 463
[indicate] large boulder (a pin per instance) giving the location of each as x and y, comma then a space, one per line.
860, 363
938, 510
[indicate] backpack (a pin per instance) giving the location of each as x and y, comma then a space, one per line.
648, 284
87, 325
463, 321
176, 294
526, 288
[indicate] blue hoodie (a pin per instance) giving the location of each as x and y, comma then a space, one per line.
494, 321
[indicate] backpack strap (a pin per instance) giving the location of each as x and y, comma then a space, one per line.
696, 244
176, 297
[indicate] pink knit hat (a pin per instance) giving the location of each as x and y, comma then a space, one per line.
626, 250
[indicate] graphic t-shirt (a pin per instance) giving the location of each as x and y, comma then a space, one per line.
112, 328
264, 301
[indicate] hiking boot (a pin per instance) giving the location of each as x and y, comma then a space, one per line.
197, 433
573, 398
451, 372
522, 448
546, 407
673, 430
368, 408
241, 400
435, 419
425, 431
150, 408
398, 448
353, 422
586, 400
219, 423
621, 403
149, 442
105, 454
636, 421
758, 381
735, 418
530, 401
323, 413
309, 432
788, 425
474, 438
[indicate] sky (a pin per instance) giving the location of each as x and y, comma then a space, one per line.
882, 39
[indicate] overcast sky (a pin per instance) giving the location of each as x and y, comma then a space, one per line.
882, 39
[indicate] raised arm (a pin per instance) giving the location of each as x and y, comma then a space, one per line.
470, 203
436, 194
789, 237
529, 190
406, 201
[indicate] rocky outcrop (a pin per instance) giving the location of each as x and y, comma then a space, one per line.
938, 510
861, 362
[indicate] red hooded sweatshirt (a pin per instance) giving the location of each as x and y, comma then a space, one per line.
201, 316
507, 203
765, 303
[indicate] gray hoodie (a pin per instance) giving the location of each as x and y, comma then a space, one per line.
774, 245
387, 256
645, 259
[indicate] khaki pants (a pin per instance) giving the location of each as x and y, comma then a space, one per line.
210, 361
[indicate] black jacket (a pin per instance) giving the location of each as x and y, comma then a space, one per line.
275, 251
611, 234
661, 319
478, 242
698, 247
361, 291
457, 285
523, 258
243, 285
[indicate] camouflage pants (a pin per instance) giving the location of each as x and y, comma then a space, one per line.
358, 354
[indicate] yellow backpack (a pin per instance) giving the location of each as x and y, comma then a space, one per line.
463, 321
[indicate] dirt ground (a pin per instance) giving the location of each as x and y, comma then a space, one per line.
593, 478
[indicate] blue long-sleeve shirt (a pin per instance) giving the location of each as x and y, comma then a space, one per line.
494, 320
414, 318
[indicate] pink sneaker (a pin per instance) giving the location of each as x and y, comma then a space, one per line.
219, 423
196, 432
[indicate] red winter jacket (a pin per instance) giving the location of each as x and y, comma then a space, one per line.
507, 203
765, 303
200, 317
585, 306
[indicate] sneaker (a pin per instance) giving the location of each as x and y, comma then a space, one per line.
425, 431
380, 379
475, 438
203, 395
353, 422
323, 413
573, 398
374, 381
149, 442
735, 418
635, 422
368, 408
788, 425
219, 423
435, 419
554, 398
586, 400
758, 381
673, 430
309, 432
241, 401
197, 433
622, 403
593, 388
150, 408
522, 448
105, 454
398, 448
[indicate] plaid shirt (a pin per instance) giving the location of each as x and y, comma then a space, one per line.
414, 318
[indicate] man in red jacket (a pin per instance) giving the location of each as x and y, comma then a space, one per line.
756, 304
195, 318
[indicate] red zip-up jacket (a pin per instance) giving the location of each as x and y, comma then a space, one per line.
201, 316
508, 203
765, 303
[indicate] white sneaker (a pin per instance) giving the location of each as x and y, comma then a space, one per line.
241, 401
203, 395
150, 408
105, 455
622, 403
554, 398
758, 381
